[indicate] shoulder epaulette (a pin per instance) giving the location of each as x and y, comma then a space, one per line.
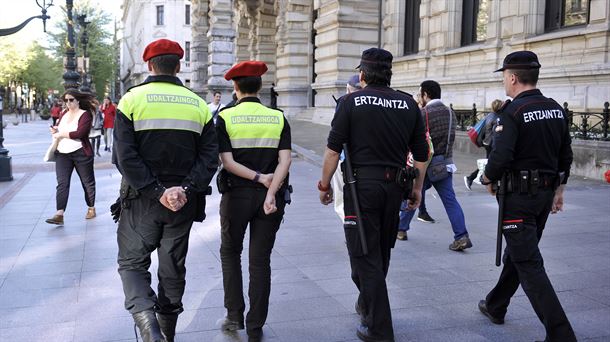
404, 92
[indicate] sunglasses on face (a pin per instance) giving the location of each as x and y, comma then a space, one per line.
70, 100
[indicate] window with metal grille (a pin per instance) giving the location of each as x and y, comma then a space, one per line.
160, 15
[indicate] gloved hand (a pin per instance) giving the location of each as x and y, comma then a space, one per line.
115, 210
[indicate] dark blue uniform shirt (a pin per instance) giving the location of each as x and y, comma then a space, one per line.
531, 134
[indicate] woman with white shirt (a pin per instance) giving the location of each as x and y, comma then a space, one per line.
74, 151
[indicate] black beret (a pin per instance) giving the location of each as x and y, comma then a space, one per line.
376, 58
520, 60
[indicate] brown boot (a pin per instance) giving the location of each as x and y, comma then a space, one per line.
90, 213
56, 219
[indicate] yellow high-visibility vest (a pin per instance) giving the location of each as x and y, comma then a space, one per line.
163, 105
252, 125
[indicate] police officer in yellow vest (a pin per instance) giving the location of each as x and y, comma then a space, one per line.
166, 150
255, 145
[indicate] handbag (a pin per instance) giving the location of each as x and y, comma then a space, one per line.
437, 170
99, 121
474, 133
49, 156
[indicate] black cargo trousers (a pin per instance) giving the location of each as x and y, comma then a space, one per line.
525, 216
240, 207
146, 225
379, 204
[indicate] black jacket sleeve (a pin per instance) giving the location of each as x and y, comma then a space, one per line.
565, 154
339, 132
503, 149
418, 144
130, 163
206, 162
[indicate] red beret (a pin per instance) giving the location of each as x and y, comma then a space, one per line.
162, 47
247, 68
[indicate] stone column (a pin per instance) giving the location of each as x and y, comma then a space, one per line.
199, 47
293, 73
243, 23
221, 56
265, 43
344, 29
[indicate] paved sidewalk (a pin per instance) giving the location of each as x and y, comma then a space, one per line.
61, 284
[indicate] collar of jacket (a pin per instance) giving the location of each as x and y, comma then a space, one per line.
531, 92
249, 99
163, 78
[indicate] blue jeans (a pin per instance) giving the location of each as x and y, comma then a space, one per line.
452, 207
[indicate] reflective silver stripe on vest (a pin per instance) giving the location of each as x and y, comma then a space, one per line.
142, 125
255, 142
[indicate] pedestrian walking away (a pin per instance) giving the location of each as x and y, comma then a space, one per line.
485, 139
379, 126
442, 123
532, 150
353, 84
166, 151
74, 152
97, 128
255, 148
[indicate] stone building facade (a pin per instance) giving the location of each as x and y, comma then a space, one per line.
312, 46
144, 21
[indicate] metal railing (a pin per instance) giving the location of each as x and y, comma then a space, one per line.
583, 125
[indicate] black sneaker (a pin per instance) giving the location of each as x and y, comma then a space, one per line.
483, 309
425, 217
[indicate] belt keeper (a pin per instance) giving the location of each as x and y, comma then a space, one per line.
534, 181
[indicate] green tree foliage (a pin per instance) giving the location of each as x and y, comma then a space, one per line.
42, 71
99, 48
13, 62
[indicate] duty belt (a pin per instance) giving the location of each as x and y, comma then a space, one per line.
387, 174
530, 181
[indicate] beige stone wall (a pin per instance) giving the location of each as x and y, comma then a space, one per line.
574, 60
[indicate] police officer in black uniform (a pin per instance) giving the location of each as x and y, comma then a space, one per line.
380, 126
532, 150
255, 149
166, 150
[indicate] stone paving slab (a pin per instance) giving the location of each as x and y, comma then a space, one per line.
61, 284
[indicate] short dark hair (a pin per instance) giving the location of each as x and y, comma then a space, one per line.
526, 76
432, 88
249, 84
165, 64
376, 75
216, 92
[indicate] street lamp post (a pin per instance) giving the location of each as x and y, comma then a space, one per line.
6, 172
70, 76
84, 39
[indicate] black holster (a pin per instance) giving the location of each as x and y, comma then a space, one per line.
405, 178
126, 194
223, 181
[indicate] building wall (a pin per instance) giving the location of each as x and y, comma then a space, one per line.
139, 29
312, 47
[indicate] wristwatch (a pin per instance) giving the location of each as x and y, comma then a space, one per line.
323, 188
256, 178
